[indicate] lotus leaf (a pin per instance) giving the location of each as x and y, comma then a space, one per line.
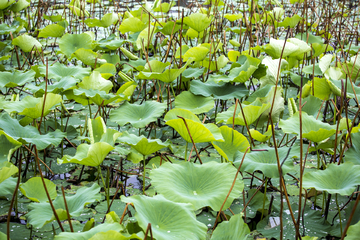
196, 53
8, 147
261, 137
126, 90
114, 235
223, 91
164, 7
59, 71
34, 190
334, 179
158, 210
15, 78
89, 155
132, 24
197, 21
41, 213
52, 30
195, 104
145, 37
5, 4
69, 43
352, 154
7, 169
236, 228
234, 141
354, 67
167, 29
200, 132
138, 115
107, 20
201, 185
275, 47
290, 21
27, 43
142, 144
105, 227
353, 232
97, 82
265, 161
312, 129
233, 17
13, 129
87, 56
325, 62
58, 87
272, 70
303, 48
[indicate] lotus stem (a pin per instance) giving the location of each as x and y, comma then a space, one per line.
144, 173
337, 205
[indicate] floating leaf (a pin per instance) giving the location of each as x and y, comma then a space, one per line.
27, 43
89, 155
234, 141
138, 115
34, 190
195, 104
201, 185
334, 179
223, 91
157, 211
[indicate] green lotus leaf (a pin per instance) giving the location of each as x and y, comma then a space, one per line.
126, 91
223, 91
167, 76
353, 232
196, 53
132, 24
197, 21
7, 187
215, 65
114, 59
15, 78
201, 185
89, 155
290, 21
252, 112
86, 97
158, 211
58, 71
233, 17
265, 161
145, 37
28, 134
39, 108
164, 7
174, 113
314, 225
352, 154
272, 70
77, 11
155, 66
69, 43
106, 21
312, 129
138, 115
303, 48
325, 62
275, 47
90, 234
168, 27
353, 67
96, 129
200, 132
234, 141
195, 104
5, 4
42, 213
56, 88
261, 137
6, 29
114, 235
335, 73
334, 179
52, 30
236, 228
8, 147
27, 43
106, 70
87, 56
97, 82
142, 144
34, 190
53, 17
7, 169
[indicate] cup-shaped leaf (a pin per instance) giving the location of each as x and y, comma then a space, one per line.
142, 144
131, 24
138, 115
69, 43
169, 220
97, 82
196, 53
197, 21
201, 185
58, 71
276, 47
195, 104
89, 155
52, 30
234, 141
34, 190
341, 179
